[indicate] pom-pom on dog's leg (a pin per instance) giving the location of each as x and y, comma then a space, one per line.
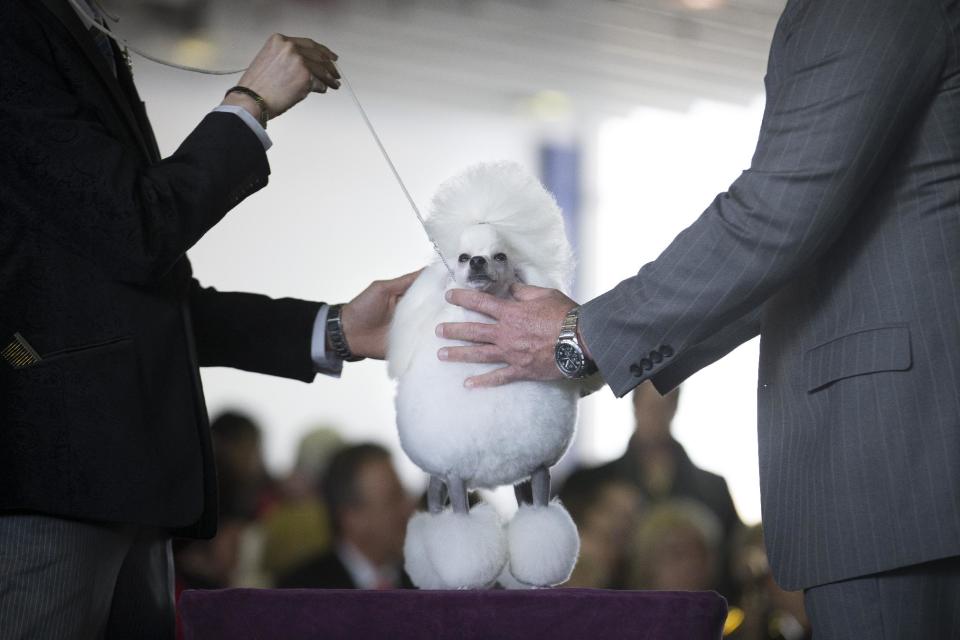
457, 548
416, 560
542, 537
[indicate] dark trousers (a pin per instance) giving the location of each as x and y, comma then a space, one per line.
78, 580
920, 601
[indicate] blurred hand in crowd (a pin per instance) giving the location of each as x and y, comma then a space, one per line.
284, 72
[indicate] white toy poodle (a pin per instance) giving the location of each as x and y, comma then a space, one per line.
496, 225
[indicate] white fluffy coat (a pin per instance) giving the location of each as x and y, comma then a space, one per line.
496, 436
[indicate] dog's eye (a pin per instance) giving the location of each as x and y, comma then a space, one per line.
500, 257
464, 257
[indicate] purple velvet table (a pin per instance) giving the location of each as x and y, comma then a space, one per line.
554, 614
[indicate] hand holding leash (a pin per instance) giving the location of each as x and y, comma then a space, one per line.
282, 74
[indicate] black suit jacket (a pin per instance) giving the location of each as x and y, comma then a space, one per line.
94, 226
326, 571
841, 247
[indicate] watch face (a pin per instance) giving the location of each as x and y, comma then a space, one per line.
569, 359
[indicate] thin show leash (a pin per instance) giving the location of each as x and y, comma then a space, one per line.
218, 72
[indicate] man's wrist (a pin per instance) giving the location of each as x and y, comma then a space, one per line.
244, 101
336, 337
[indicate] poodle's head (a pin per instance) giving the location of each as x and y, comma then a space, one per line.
496, 225
484, 261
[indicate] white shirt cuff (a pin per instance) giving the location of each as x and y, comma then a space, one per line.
250, 121
328, 364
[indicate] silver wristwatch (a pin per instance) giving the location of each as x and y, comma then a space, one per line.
569, 355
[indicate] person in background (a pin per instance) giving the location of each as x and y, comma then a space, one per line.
661, 470
298, 527
247, 489
764, 611
676, 548
369, 510
217, 563
606, 511
238, 451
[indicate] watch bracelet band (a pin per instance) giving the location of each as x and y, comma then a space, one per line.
568, 333
568, 330
335, 334
264, 111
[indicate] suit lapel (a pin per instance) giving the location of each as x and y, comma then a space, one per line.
66, 15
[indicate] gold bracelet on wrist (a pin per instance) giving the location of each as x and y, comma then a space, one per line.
250, 93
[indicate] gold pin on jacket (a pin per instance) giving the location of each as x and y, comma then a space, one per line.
19, 353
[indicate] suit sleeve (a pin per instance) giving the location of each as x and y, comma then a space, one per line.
707, 351
70, 180
845, 84
253, 332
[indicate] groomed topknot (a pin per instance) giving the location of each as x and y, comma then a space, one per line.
516, 204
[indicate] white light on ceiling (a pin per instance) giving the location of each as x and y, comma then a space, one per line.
702, 5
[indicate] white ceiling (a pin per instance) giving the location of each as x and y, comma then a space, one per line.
606, 56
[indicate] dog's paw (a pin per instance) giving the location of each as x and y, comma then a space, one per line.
507, 581
456, 551
416, 561
544, 544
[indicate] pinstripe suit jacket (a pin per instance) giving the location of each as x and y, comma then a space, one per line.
840, 246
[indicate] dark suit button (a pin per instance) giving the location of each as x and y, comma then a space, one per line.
646, 364
636, 370
666, 350
656, 356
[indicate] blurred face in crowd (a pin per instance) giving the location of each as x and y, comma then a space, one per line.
243, 457
604, 533
653, 413
377, 521
682, 561
613, 516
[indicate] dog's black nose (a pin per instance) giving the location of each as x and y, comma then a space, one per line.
477, 262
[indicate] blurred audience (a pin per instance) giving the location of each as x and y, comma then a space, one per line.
606, 511
676, 548
660, 469
298, 527
368, 510
244, 488
764, 611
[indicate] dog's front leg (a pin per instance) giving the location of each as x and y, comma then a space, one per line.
457, 489
540, 484
436, 495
